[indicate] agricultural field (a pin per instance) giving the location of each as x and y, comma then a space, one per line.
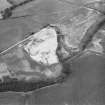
78, 78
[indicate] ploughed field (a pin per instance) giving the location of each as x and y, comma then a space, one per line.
84, 83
